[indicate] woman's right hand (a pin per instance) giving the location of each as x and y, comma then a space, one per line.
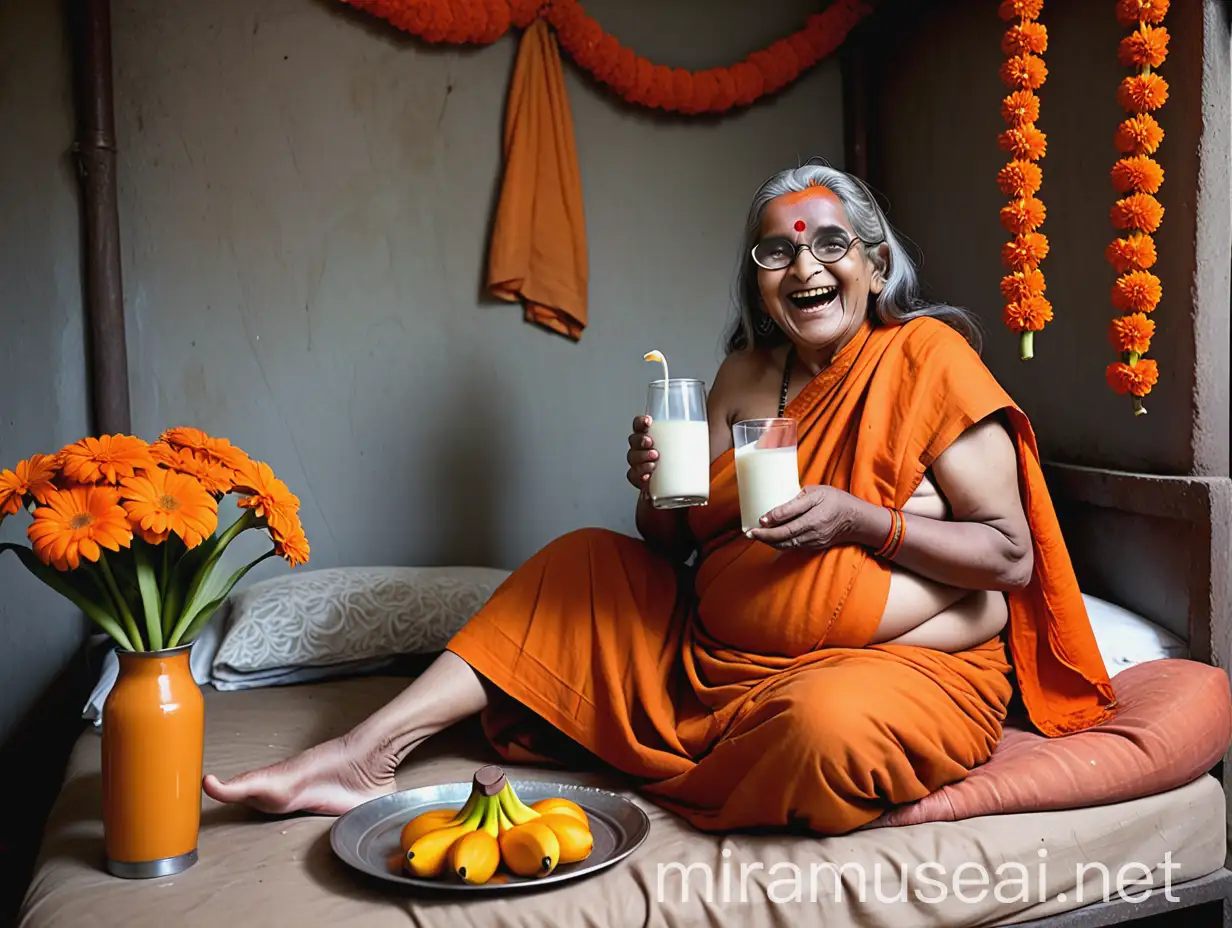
641, 456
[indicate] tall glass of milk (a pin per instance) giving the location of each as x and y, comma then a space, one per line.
678, 429
767, 470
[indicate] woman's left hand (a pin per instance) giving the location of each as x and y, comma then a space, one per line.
818, 518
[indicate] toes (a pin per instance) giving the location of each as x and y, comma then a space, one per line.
250, 788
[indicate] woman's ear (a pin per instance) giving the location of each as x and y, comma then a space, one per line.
881, 264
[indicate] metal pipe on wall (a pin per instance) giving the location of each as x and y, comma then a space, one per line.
96, 160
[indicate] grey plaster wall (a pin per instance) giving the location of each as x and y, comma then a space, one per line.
305, 197
43, 400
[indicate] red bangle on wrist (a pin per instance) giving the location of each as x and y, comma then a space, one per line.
894, 540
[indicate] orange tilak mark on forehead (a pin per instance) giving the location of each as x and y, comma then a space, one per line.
808, 193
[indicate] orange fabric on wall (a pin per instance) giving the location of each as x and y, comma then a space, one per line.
744, 690
538, 250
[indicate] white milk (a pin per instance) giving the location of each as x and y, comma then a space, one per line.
682, 471
765, 477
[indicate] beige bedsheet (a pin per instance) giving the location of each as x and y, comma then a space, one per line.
254, 870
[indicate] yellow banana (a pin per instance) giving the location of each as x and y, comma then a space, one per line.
420, 825
562, 806
502, 818
530, 849
464, 813
576, 841
475, 856
429, 854
516, 810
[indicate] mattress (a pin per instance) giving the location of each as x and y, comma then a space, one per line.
260, 870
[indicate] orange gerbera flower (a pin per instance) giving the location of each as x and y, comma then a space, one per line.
32, 477
1138, 211
1137, 380
1026, 142
106, 459
1137, 292
294, 548
1027, 72
1146, 46
1139, 93
1020, 179
1026, 251
1020, 108
1137, 173
1029, 314
227, 454
1023, 216
77, 522
1139, 135
1021, 9
1136, 253
162, 501
1022, 284
1024, 38
1131, 12
1131, 333
216, 478
268, 497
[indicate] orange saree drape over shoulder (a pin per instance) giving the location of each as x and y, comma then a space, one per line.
743, 691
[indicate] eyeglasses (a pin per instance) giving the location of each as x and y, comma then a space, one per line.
779, 252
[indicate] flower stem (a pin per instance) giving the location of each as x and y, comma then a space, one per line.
1139, 409
191, 603
130, 624
151, 602
189, 627
1026, 345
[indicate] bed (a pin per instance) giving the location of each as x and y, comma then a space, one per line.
256, 870
1025, 863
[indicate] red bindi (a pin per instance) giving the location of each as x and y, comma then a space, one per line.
799, 227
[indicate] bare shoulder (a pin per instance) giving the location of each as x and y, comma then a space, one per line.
739, 385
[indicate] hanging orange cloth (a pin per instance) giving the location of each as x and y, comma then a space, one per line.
538, 252
745, 691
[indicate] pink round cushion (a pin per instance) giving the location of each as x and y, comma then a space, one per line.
1173, 723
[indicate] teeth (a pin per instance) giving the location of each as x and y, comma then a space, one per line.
818, 291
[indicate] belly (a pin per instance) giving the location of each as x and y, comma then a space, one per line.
759, 600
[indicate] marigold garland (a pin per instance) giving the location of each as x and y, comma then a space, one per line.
1027, 311
1136, 178
633, 78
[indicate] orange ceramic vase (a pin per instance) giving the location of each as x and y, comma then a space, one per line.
153, 741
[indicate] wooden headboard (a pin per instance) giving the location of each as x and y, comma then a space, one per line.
1159, 546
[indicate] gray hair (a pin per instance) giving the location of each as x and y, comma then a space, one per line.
898, 302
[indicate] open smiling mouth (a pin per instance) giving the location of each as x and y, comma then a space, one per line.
814, 299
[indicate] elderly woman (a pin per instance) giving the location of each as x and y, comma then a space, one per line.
845, 655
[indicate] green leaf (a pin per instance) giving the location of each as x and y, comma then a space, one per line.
200, 581
126, 614
198, 620
55, 580
147, 581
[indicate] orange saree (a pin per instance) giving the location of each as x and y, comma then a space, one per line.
743, 691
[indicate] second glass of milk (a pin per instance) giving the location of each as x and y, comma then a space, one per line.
681, 435
767, 469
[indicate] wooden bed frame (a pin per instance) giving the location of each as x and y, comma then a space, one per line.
1194, 513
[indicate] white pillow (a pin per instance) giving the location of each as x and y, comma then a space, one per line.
1125, 638
312, 624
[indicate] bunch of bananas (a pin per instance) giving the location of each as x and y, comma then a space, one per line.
496, 827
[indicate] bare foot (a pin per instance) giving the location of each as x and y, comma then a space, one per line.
328, 779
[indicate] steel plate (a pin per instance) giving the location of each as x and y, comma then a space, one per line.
366, 837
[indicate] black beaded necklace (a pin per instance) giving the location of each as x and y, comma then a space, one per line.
786, 380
